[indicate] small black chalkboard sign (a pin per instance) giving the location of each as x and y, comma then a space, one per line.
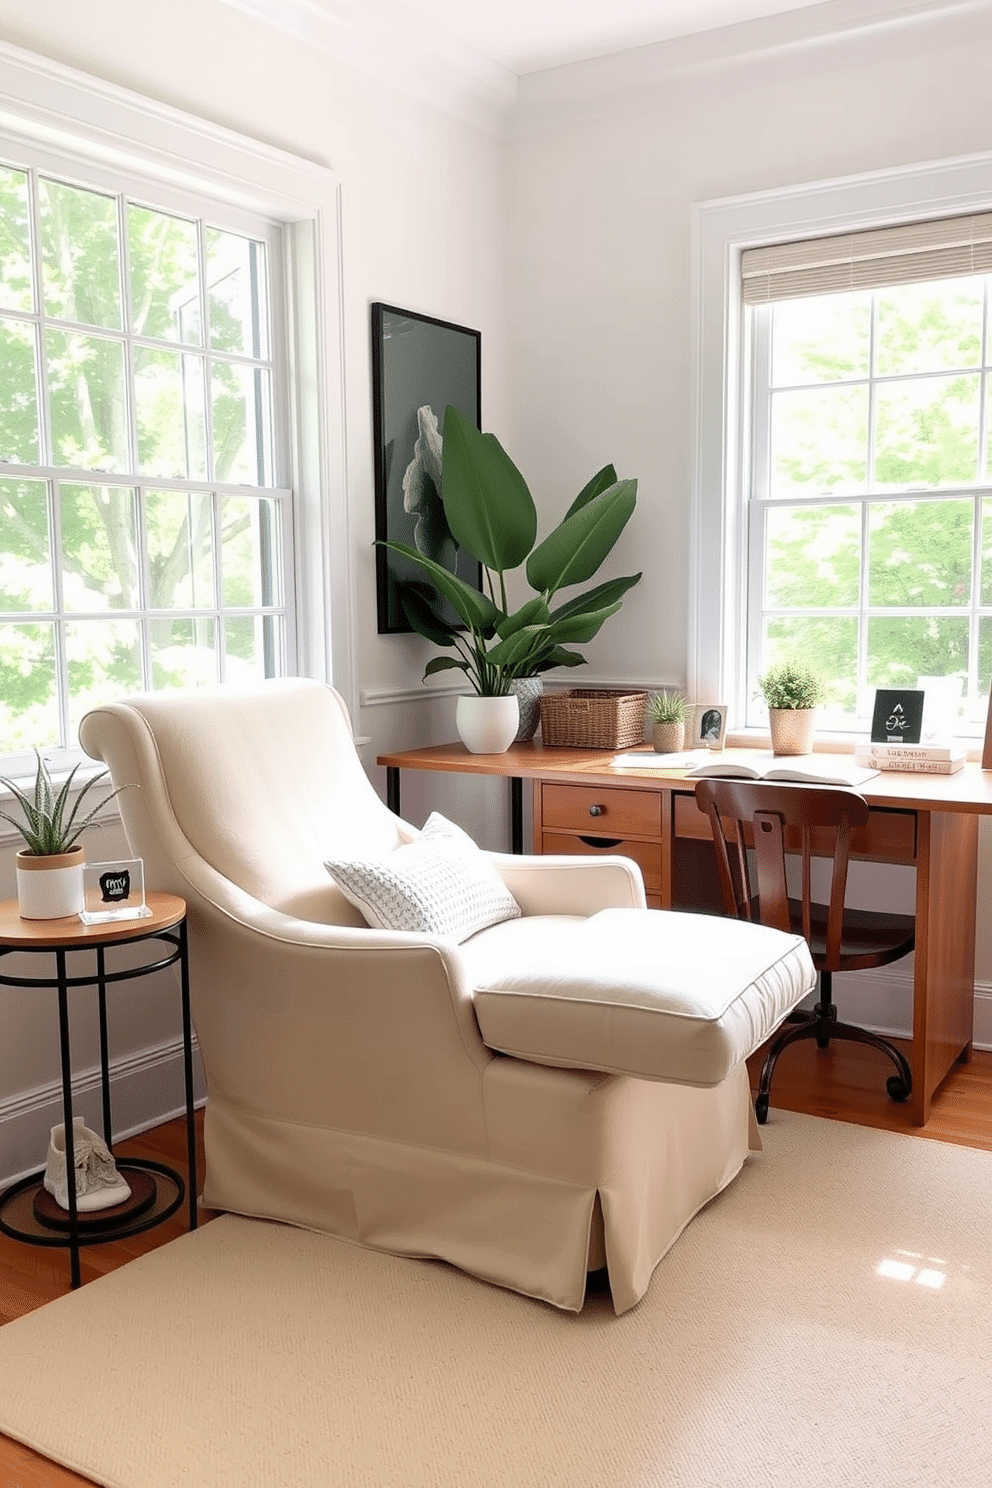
898, 716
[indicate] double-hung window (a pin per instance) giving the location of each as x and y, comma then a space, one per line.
867, 472
146, 532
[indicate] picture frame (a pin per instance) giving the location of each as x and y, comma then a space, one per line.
114, 891
418, 361
897, 717
709, 725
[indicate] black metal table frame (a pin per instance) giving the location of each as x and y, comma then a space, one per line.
516, 804
174, 935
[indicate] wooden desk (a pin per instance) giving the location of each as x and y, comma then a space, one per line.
929, 822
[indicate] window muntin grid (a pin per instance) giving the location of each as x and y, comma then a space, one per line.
869, 503
144, 541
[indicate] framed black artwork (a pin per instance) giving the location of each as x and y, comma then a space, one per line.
419, 366
898, 716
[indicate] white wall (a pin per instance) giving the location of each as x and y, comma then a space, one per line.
605, 165
422, 225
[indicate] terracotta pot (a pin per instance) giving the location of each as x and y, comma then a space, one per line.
792, 730
668, 738
50, 888
486, 725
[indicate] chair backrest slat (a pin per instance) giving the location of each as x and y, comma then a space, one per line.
813, 820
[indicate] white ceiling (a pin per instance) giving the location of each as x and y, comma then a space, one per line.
528, 35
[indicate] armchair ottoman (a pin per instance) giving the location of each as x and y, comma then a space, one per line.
562, 1090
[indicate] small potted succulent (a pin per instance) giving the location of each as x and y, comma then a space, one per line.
791, 691
667, 712
49, 867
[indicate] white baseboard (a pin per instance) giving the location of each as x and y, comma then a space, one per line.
145, 1089
883, 1001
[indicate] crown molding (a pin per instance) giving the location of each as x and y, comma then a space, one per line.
381, 39
583, 91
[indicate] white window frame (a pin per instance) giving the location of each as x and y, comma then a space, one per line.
721, 230
47, 107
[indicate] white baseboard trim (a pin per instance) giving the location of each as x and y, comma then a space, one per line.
883, 1001
145, 1089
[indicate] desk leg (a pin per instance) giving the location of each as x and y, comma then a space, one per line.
188, 1074
516, 814
393, 788
70, 1150
944, 982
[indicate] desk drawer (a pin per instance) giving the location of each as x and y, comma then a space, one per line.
601, 811
890, 836
647, 855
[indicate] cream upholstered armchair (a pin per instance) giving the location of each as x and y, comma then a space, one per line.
516, 1104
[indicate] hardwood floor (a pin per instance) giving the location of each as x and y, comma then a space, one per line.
845, 1082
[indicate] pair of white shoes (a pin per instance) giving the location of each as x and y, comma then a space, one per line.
98, 1183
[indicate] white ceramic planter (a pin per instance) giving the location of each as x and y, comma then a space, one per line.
487, 725
50, 888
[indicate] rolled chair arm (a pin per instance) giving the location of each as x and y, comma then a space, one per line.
550, 884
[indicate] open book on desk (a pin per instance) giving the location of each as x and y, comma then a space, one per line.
755, 764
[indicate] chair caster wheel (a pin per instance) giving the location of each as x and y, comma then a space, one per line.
897, 1088
761, 1109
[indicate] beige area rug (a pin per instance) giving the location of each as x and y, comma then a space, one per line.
825, 1323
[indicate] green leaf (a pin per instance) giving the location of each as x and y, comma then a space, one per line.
415, 601
444, 664
474, 609
581, 628
596, 599
560, 657
534, 612
600, 481
575, 549
489, 508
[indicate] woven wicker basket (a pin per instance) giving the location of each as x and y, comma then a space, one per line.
593, 718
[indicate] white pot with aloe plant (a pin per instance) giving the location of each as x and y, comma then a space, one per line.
491, 516
791, 691
49, 868
667, 712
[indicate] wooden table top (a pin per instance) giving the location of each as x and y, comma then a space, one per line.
968, 791
166, 910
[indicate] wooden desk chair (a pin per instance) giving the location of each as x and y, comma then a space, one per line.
810, 821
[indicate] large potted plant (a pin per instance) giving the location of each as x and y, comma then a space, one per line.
49, 868
791, 691
491, 515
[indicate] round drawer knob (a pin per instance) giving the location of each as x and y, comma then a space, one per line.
596, 810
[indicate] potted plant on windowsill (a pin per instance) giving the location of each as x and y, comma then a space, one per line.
491, 515
791, 691
49, 867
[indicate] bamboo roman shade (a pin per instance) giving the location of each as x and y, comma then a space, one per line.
947, 248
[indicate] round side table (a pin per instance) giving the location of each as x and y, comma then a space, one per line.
26, 1211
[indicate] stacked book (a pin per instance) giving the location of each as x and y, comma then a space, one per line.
920, 759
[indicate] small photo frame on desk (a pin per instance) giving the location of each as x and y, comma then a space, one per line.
114, 891
709, 725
